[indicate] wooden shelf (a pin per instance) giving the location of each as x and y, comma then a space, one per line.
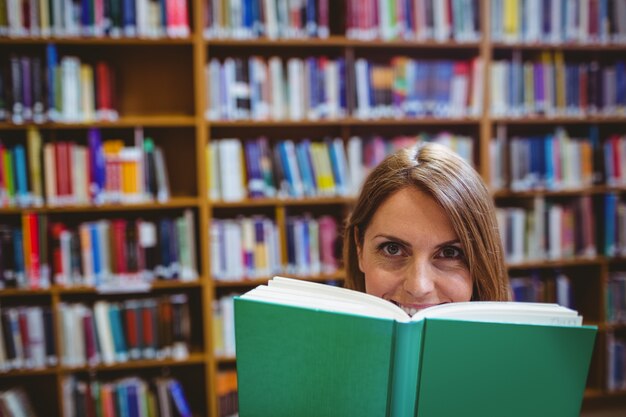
226, 359
339, 275
193, 359
339, 41
350, 121
60, 290
69, 40
538, 120
560, 263
271, 202
122, 122
173, 203
596, 47
29, 372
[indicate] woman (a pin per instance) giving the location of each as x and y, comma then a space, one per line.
424, 232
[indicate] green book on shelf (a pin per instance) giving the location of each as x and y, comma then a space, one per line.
307, 349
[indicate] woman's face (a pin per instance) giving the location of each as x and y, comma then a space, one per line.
411, 255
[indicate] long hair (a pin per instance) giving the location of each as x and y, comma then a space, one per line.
458, 189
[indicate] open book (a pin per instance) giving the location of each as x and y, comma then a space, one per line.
308, 349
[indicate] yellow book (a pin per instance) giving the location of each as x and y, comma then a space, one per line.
511, 19
33, 143
529, 87
50, 173
559, 70
321, 177
44, 18
327, 168
87, 99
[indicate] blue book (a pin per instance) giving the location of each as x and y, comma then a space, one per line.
121, 399
343, 94
291, 249
133, 399
306, 244
86, 16
311, 18
284, 160
256, 185
246, 18
174, 250
549, 158
179, 399
21, 179
422, 80
306, 169
609, 169
164, 245
18, 253
610, 216
129, 19
596, 150
97, 173
257, 23
314, 85
95, 253
620, 76
52, 63
338, 175
119, 340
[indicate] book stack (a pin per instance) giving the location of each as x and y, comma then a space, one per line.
244, 248
116, 332
550, 287
95, 18
616, 361
114, 254
128, 396
26, 338
549, 230
404, 87
413, 20
613, 239
223, 324
311, 245
554, 161
272, 19
559, 21
65, 90
20, 172
549, 86
278, 88
615, 307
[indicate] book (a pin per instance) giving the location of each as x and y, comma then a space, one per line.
325, 351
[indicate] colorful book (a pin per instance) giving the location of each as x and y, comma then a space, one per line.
365, 356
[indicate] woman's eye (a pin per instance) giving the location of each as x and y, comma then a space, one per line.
391, 249
451, 252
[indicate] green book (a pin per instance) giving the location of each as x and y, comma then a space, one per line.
307, 349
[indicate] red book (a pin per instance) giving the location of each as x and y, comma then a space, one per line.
35, 271
147, 321
593, 20
119, 240
57, 255
132, 328
328, 237
103, 87
91, 351
69, 148
615, 153
61, 169
23, 325
322, 18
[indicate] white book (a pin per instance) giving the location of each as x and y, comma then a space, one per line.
258, 77
361, 67
271, 20
189, 271
230, 85
141, 18
86, 254
442, 27
104, 332
213, 171
555, 221
386, 29
355, 164
64, 278
163, 184
518, 219
315, 267
295, 71
49, 174
70, 89
233, 237
216, 235
231, 176
477, 87
331, 87
583, 22
459, 91
212, 77
277, 92
248, 242
283, 18
228, 317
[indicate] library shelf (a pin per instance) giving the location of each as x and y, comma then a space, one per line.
584, 47
122, 122
339, 41
271, 202
547, 120
192, 359
173, 203
336, 276
500, 194
101, 41
29, 372
347, 122
557, 263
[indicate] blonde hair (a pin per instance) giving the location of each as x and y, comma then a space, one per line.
458, 189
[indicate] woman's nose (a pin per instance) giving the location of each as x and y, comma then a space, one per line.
420, 279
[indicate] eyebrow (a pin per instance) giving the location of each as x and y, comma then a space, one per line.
397, 239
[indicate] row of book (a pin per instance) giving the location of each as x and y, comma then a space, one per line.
407, 87
276, 88
553, 161
223, 326
616, 297
110, 255
63, 173
117, 332
64, 90
552, 87
548, 230
245, 248
614, 233
615, 160
226, 391
257, 168
311, 245
129, 396
94, 18
27, 338
616, 362
413, 20
272, 19
558, 21
555, 287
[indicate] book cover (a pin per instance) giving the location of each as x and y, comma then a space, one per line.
328, 358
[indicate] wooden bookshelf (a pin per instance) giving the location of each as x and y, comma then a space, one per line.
164, 92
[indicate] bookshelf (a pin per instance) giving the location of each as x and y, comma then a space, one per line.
162, 89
